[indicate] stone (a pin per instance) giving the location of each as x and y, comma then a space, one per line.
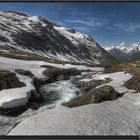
9, 80
98, 95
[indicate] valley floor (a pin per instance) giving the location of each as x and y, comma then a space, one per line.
115, 117
118, 117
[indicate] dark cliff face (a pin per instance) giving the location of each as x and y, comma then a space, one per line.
38, 35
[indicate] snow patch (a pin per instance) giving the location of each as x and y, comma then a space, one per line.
10, 98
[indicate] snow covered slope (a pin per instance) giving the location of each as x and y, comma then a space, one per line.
124, 52
116, 117
19, 32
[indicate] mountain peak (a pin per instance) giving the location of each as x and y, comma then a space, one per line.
125, 53
122, 43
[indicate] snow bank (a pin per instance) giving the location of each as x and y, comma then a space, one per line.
118, 117
118, 80
34, 66
14, 97
19, 96
79, 67
12, 64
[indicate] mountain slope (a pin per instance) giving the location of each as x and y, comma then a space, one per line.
124, 52
35, 35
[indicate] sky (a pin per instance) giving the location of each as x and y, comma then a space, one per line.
108, 23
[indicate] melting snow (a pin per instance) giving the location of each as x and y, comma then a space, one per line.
19, 96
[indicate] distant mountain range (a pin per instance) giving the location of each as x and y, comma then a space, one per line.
36, 35
124, 52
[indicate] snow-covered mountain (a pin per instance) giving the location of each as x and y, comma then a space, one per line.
36, 35
124, 52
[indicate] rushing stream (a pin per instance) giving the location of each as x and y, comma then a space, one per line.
57, 93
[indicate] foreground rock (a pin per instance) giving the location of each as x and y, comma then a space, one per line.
24, 72
94, 96
57, 74
118, 117
87, 85
133, 83
9, 80
13, 112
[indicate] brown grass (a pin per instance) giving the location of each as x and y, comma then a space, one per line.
134, 70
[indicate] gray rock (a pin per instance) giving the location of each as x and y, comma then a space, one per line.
101, 94
9, 80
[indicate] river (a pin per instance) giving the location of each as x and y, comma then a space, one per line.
57, 93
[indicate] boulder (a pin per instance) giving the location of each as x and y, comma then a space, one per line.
133, 83
9, 80
3, 85
98, 95
60, 77
56, 74
24, 72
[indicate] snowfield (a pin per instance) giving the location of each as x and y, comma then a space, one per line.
12, 64
10, 98
19, 96
118, 117
118, 80
34, 66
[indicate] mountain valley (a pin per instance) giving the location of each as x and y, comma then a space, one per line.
55, 80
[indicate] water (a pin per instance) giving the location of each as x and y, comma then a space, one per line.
61, 91
57, 93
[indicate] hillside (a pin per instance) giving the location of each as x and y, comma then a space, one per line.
40, 39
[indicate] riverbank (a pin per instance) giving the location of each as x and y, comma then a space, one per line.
27, 72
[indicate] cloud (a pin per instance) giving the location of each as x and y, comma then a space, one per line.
128, 27
83, 29
89, 23
76, 12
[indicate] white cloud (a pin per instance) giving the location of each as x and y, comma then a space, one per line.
128, 27
90, 23
76, 13
83, 29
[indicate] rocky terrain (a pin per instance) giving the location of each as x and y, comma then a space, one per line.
57, 81
94, 112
